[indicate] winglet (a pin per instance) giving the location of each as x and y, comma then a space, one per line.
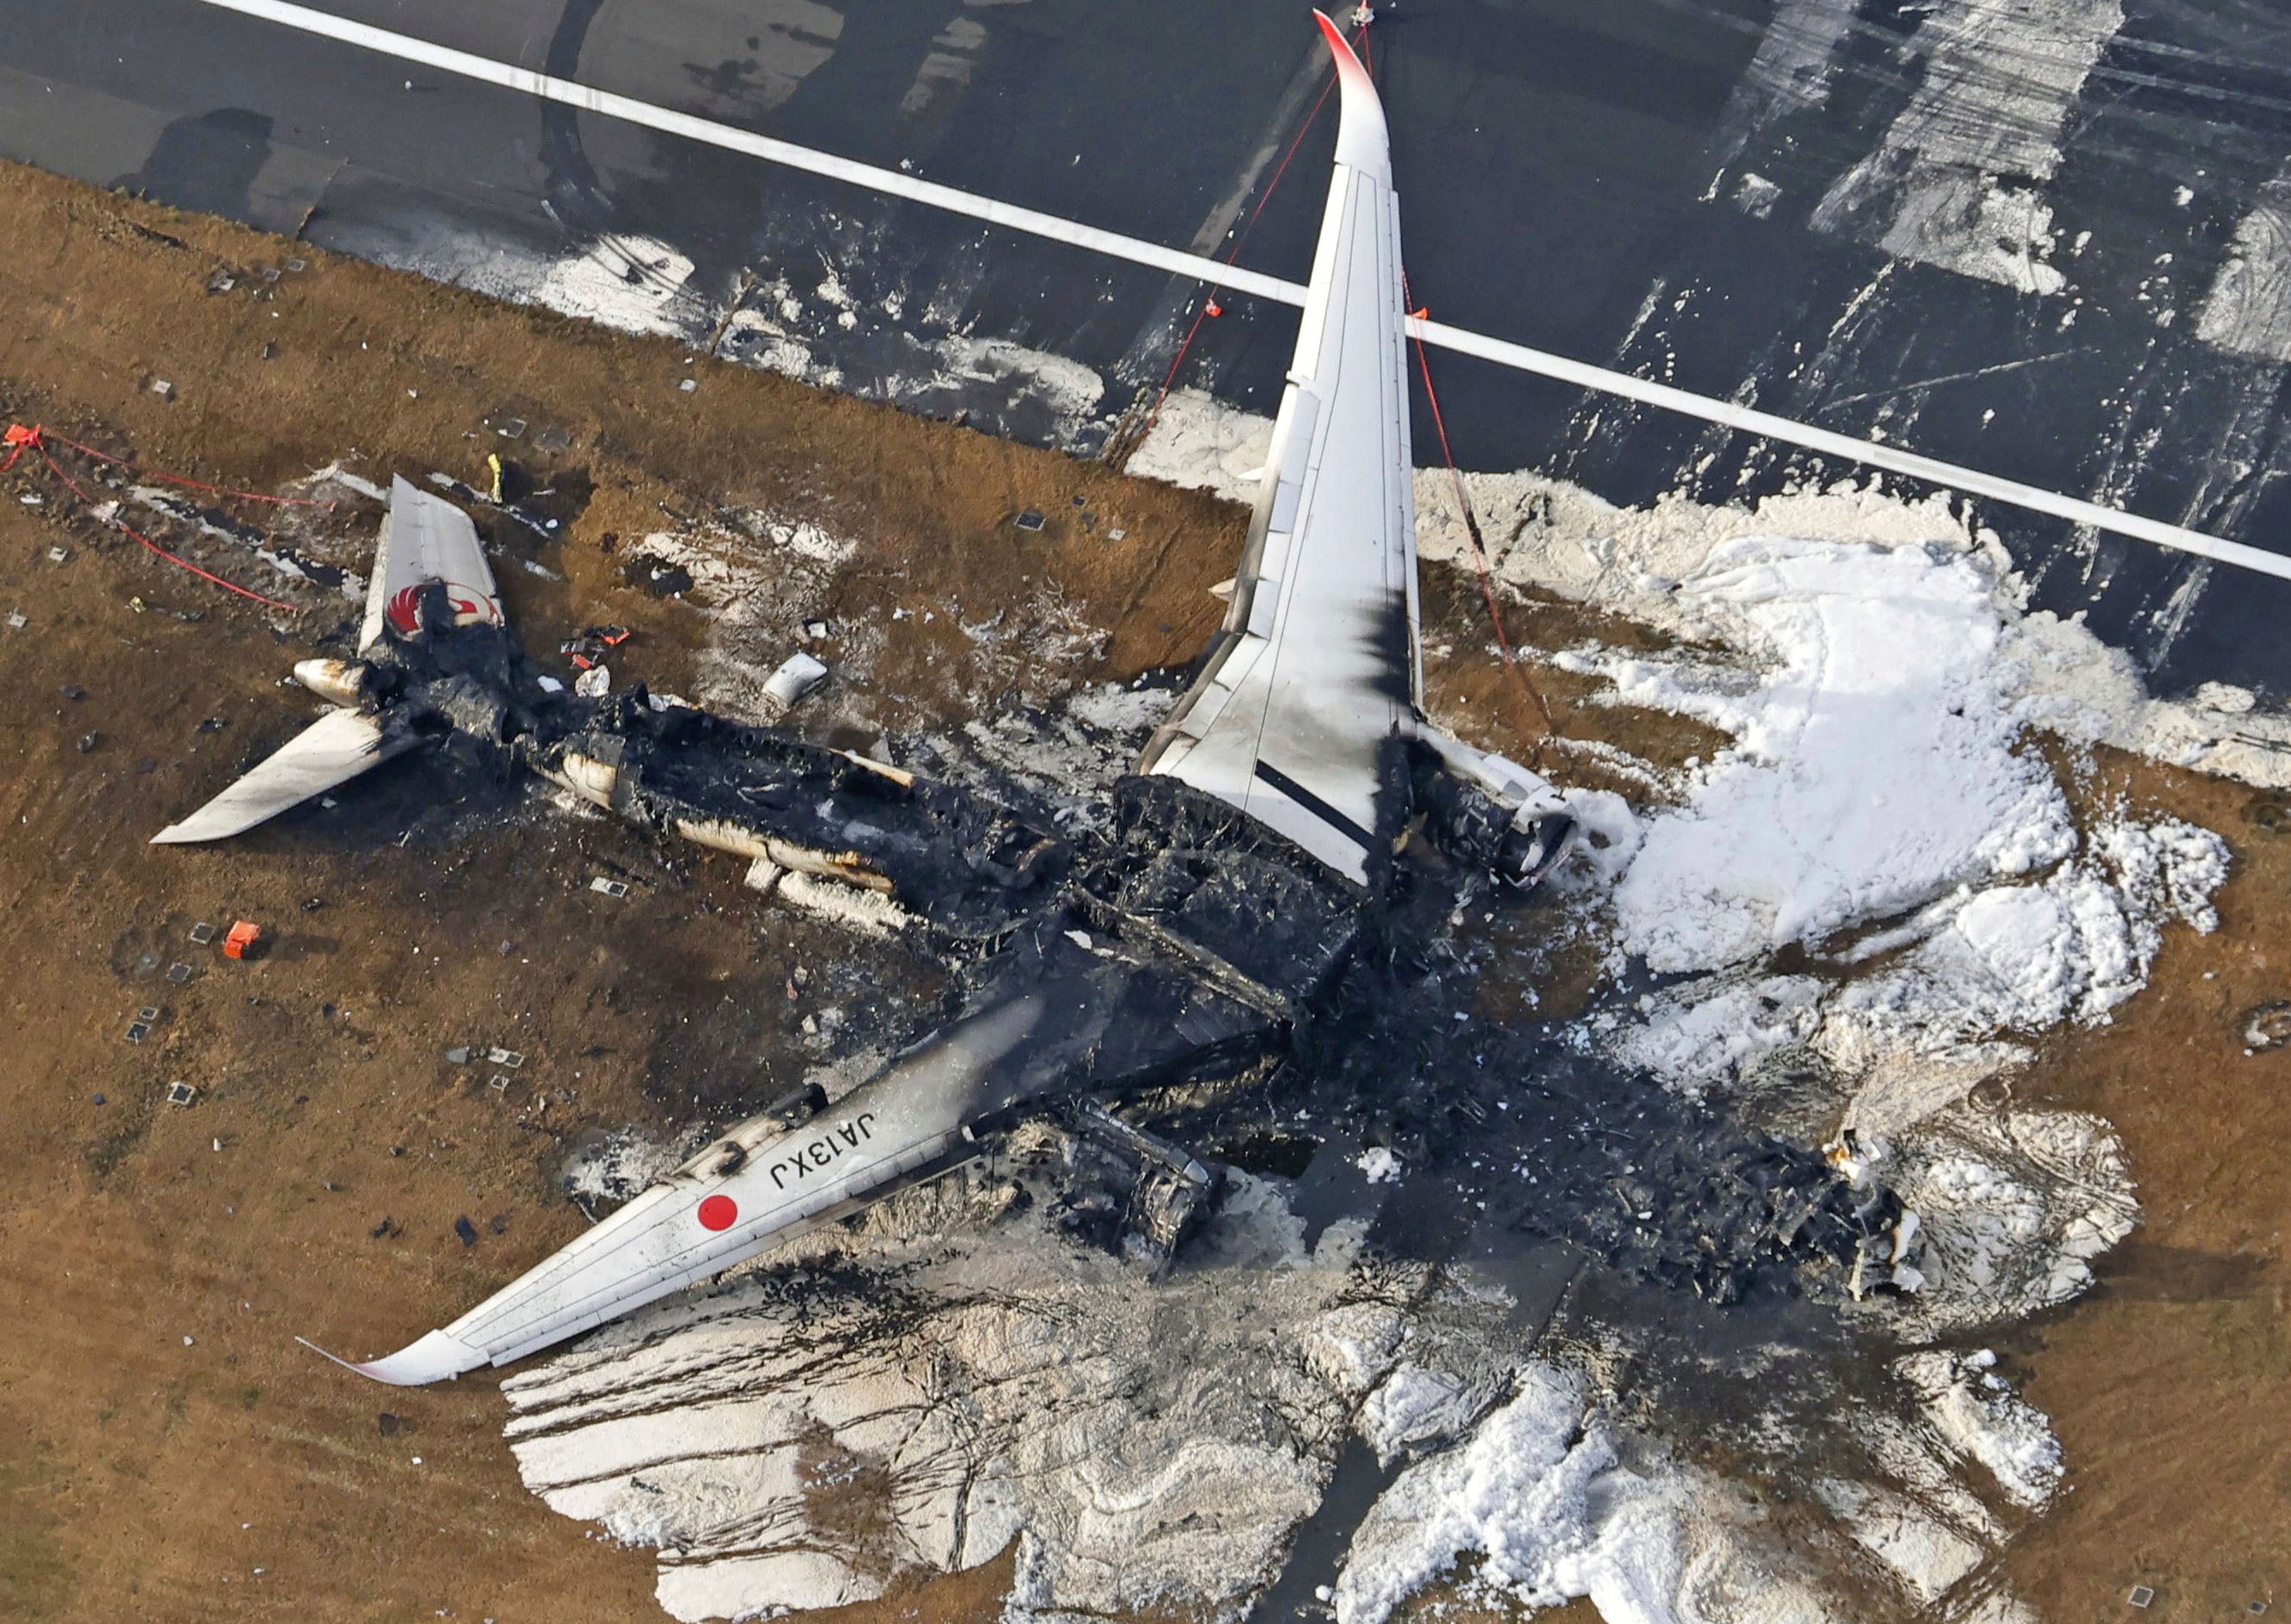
1363, 142
433, 1358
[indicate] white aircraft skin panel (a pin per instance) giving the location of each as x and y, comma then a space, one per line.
426, 538
1319, 669
700, 1221
332, 750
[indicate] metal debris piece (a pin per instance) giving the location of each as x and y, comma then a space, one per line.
797, 676
57, 555
16, 620
595, 682
762, 875
72, 690
609, 888
181, 1094
457, 1056
687, 386
498, 1083
89, 741
817, 628
512, 429
552, 442
2267, 1026
589, 646
163, 388
509, 1058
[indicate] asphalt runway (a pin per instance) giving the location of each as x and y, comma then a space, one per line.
2041, 240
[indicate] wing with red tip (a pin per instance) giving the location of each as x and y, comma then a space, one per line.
1316, 670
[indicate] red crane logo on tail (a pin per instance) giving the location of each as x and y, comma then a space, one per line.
469, 607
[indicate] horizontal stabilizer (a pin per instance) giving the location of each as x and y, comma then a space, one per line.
333, 750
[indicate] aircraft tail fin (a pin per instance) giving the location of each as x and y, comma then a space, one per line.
426, 539
333, 750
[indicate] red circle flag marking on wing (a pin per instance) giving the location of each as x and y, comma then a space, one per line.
718, 1212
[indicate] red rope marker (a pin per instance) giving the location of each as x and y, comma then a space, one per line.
1169, 378
19, 439
1480, 564
168, 479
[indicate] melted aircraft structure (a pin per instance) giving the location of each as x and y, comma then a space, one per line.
1187, 946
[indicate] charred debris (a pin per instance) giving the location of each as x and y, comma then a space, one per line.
1241, 992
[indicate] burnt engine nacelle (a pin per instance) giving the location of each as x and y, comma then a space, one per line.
1487, 809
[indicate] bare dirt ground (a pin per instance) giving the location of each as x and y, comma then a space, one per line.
167, 1452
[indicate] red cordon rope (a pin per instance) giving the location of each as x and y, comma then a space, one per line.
20, 439
194, 485
1480, 553
1210, 306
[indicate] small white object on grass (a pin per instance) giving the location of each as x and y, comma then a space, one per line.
797, 676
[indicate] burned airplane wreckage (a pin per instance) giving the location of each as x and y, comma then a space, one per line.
1237, 943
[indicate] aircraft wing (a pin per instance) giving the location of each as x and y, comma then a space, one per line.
1064, 1019
756, 1187
426, 538
333, 750
1316, 669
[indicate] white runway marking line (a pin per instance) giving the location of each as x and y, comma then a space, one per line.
891, 183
